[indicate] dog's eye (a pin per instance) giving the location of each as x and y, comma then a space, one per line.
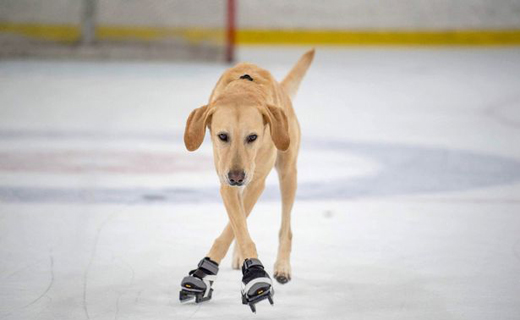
251, 138
223, 137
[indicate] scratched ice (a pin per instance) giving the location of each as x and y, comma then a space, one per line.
408, 203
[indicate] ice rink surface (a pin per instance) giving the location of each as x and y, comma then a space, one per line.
408, 203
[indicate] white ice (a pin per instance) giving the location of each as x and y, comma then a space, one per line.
409, 201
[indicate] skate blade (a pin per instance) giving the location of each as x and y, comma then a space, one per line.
188, 300
251, 302
191, 296
187, 297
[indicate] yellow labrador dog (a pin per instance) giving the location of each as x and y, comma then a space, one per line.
253, 128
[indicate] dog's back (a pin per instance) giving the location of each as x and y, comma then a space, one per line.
248, 78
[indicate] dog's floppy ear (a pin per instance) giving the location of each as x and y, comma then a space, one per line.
196, 127
279, 126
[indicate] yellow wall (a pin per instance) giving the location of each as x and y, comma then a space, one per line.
70, 33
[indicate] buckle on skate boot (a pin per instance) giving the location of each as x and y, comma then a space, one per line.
256, 284
197, 285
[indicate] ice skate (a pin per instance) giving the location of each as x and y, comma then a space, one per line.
196, 287
256, 284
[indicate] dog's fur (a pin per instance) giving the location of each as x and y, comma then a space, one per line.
239, 108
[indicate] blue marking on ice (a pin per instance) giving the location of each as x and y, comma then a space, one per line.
404, 169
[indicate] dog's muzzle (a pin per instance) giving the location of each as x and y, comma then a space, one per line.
236, 177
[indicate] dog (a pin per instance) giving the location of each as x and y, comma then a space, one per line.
253, 128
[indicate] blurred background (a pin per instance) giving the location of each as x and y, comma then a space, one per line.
211, 30
409, 172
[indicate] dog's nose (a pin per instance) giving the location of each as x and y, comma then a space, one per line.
236, 177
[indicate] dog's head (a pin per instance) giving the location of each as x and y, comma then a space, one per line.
238, 129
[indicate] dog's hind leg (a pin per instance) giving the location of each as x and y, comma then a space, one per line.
236, 260
287, 175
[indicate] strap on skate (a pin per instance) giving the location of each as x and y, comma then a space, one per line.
201, 277
249, 263
209, 265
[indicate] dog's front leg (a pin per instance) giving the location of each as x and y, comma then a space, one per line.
233, 201
256, 283
197, 286
221, 244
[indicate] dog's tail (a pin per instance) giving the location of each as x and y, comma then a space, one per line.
294, 78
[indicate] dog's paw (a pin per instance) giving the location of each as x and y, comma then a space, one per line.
282, 271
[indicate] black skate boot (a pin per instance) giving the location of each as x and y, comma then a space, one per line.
256, 284
197, 286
